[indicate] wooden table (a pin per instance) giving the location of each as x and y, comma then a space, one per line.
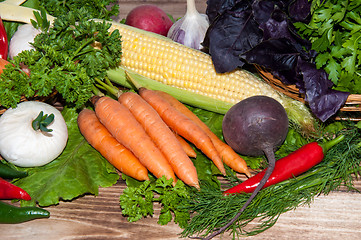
177, 8
336, 216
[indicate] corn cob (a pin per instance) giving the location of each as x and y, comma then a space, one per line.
172, 64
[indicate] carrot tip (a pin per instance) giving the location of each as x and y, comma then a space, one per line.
142, 89
248, 173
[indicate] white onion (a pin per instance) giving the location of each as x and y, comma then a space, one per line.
21, 39
21, 145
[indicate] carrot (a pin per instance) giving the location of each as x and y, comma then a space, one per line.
183, 126
127, 130
101, 139
162, 136
3, 62
186, 147
229, 156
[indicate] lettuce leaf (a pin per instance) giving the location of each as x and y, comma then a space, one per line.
79, 170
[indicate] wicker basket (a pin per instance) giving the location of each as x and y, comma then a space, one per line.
350, 111
52, 98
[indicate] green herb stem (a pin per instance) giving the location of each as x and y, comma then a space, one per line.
41, 122
77, 53
107, 86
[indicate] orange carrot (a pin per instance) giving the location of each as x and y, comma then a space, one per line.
162, 136
229, 156
183, 126
186, 147
3, 62
101, 139
127, 130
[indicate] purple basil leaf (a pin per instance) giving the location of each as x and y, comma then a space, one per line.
324, 102
218, 7
231, 34
262, 10
299, 10
262, 32
277, 54
278, 25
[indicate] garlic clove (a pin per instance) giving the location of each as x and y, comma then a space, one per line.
190, 30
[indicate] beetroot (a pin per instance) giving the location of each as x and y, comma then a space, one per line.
150, 18
255, 126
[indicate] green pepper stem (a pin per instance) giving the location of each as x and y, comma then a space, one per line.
327, 145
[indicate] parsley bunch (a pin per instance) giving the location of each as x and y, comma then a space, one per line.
65, 60
138, 198
335, 33
101, 9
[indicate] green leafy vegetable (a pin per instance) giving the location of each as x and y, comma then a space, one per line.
65, 60
211, 209
79, 170
138, 199
101, 9
335, 33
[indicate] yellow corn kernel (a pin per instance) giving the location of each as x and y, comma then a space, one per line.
171, 63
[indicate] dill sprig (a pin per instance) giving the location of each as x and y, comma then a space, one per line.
211, 210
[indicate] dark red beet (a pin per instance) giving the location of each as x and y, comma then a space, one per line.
255, 124
253, 127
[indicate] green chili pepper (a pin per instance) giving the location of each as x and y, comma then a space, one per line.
13, 214
9, 172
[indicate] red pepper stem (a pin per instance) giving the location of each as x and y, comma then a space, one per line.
329, 144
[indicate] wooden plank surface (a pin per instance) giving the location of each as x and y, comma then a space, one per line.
177, 8
332, 217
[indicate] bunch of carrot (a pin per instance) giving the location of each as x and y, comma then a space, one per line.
147, 131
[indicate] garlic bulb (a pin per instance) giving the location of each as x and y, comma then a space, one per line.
21, 39
191, 28
25, 146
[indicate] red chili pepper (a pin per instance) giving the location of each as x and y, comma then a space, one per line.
10, 191
3, 41
290, 166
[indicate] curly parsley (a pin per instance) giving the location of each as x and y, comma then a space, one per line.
65, 61
102, 9
138, 198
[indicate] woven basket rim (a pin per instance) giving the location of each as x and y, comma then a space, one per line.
36, 98
292, 91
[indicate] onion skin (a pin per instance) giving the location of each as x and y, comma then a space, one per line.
21, 145
21, 40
